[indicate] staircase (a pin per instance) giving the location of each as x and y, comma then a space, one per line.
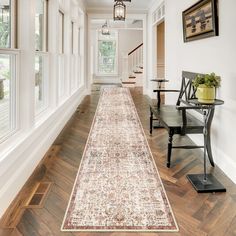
133, 68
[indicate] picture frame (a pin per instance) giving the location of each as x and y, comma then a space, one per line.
201, 20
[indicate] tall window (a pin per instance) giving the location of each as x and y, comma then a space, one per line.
79, 65
61, 32
41, 47
61, 38
5, 24
72, 38
107, 53
8, 58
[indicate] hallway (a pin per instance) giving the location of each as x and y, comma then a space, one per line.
56, 56
196, 214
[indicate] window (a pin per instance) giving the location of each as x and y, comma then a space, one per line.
40, 83
5, 24
72, 37
41, 47
61, 32
79, 65
41, 26
62, 82
79, 41
7, 94
73, 69
8, 67
107, 53
8, 24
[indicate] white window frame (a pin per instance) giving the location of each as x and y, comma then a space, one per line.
115, 73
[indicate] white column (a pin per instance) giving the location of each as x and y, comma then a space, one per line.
26, 44
53, 52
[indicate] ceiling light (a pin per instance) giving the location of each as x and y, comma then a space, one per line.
105, 30
119, 12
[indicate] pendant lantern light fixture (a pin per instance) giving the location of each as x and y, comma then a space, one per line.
105, 29
119, 12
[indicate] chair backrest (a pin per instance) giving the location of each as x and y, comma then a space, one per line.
187, 90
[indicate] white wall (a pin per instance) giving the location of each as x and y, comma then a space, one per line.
21, 152
127, 41
215, 54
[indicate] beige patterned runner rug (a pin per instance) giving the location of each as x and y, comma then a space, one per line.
118, 187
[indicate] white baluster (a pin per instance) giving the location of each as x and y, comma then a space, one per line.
141, 56
132, 63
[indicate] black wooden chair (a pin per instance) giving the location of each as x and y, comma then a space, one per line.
176, 119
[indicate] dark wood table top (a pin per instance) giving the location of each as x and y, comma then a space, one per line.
217, 102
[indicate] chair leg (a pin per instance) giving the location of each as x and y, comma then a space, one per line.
151, 121
209, 152
169, 148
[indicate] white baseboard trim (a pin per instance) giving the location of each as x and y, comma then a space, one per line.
224, 162
35, 146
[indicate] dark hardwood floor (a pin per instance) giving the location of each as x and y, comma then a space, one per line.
196, 214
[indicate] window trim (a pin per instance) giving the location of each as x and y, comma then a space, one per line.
115, 73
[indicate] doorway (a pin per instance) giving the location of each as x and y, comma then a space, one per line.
161, 50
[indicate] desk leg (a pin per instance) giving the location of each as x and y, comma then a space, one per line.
158, 100
151, 121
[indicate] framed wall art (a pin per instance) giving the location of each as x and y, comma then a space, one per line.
201, 20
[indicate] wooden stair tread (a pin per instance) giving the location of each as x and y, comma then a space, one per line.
128, 82
138, 72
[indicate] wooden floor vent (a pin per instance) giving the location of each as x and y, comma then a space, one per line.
39, 195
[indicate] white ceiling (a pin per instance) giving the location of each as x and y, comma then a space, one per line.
134, 4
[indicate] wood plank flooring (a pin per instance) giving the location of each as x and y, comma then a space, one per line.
196, 214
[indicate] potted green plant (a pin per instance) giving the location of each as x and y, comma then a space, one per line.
206, 87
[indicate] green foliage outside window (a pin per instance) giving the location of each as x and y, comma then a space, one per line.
107, 56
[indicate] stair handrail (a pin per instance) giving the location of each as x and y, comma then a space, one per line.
139, 46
